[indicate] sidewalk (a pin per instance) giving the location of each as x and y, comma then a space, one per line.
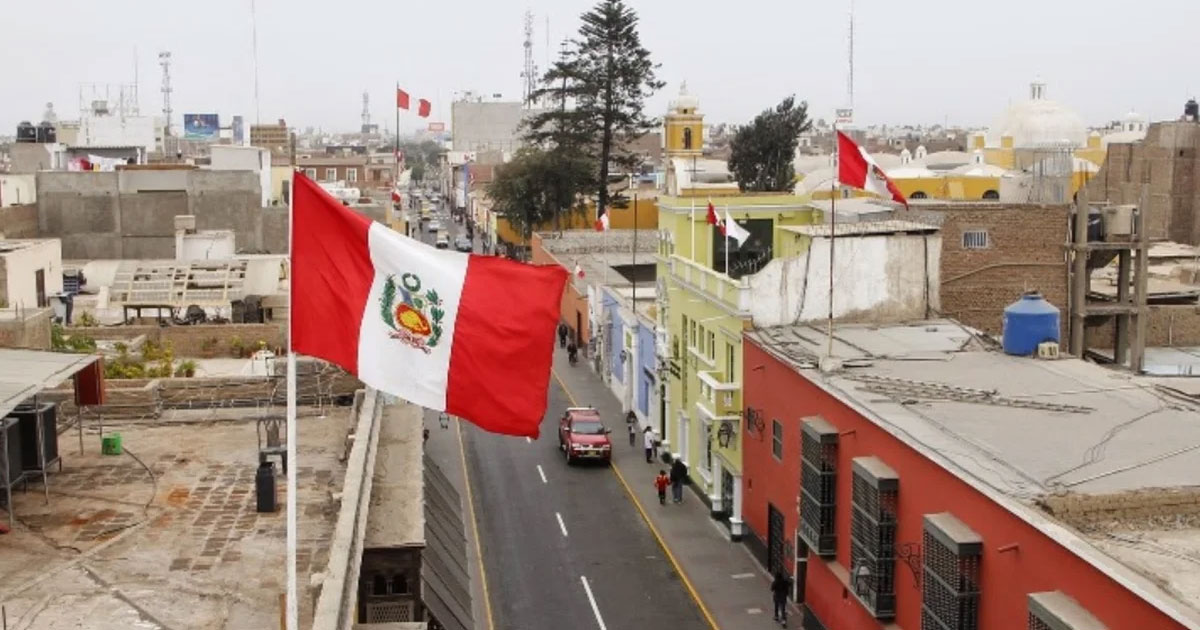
731, 587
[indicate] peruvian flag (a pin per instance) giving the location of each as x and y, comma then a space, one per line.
602, 222
423, 107
857, 169
469, 335
731, 229
578, 271
712, 215
396, 195
401, 99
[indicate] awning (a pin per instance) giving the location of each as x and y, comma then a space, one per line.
24, 373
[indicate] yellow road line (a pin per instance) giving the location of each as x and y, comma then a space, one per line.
687, 583
487, 597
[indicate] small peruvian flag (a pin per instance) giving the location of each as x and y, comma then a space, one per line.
401, 99
856, 169
712, 215
396, 195
578, 271
602, 223
423, 108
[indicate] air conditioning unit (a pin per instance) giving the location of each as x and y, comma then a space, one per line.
1118, 222
1048, 350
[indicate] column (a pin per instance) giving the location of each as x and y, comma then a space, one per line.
736, 527
714, 495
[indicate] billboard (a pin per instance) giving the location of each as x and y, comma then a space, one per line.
239, 130
201, 126
437, 126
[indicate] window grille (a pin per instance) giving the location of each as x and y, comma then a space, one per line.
874, 492
1055, 610
777, 439
975, 239
818, 485
950, 584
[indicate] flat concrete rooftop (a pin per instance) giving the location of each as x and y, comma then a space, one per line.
179, 545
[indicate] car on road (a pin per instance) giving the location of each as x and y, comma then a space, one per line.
463, 244
443, 242
434, 225
583, 436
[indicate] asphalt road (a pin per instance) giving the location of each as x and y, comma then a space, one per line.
564, 547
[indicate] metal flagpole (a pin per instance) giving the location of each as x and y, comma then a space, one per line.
832, 231
293, 604
692, 222
635, 226
726, 242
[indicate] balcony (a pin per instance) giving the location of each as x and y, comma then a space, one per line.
732, 294
719, 400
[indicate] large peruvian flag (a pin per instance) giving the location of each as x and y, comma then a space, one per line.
856, 168
469, 335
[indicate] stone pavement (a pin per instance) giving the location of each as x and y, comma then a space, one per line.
731, 587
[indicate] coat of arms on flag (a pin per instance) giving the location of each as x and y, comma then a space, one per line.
417, 319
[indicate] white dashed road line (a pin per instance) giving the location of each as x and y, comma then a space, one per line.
561, 524
542, 473
528, 440
592, 599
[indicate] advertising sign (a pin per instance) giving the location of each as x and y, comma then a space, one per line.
201, 126
239, 130
437, 126
845, 116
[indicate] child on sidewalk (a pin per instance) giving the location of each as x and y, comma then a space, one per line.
660, 483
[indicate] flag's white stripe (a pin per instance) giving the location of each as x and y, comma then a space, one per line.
388, 363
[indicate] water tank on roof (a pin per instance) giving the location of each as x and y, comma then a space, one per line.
46, 133
1191, 110
26, 132
1027, 322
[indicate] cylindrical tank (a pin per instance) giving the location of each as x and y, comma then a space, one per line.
26, 132
1028, 322
1191, 110
264, 488
46, 133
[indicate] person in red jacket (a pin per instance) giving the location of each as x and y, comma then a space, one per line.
660, 483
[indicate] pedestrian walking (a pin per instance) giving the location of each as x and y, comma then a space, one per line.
562, 334
779, 593
660, 483
678, 478
648, 443
631, 422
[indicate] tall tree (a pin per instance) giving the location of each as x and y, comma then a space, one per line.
761, 153
608, 75
537, 185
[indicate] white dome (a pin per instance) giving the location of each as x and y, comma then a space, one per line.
685, 101
1039, 122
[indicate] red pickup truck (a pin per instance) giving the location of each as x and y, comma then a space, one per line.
582, 436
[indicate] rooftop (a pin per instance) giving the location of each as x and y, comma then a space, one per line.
860, 228
8, 246
1026, 432
599, 254
24, 373
396, 518
166, 535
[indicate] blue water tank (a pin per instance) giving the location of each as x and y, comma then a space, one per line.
1027, 322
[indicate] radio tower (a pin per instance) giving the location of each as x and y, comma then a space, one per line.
529, 74
366, 114
164, 60
850, 55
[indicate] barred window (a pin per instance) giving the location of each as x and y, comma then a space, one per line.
874, 493
950, 574
975, 239
818, 484
1055, 610
777, 439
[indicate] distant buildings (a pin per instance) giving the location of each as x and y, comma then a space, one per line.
273, 137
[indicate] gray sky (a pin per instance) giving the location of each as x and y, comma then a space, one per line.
926, 61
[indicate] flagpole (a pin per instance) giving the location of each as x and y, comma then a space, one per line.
832, 234
726, 242
692, 220
293, 604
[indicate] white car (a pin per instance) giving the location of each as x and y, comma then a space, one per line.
434, 226
443, 242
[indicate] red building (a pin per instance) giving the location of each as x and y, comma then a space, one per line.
926, 482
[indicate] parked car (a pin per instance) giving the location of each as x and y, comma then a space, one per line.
434, 226
582, 436
463, 244
443, 242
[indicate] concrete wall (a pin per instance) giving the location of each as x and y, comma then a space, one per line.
19, 269
487, 126
205, 340
880, 278
1168, 326
17, 189
26, 328
254, 159
19, 221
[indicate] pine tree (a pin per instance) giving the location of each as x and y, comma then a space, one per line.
762, 153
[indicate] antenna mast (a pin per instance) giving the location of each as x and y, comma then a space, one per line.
850, 55
529, 74
366, 113
164, 60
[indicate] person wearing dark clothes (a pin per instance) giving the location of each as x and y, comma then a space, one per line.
678, 477
562, 335
572, 353
779, 593
632, 423
660, 484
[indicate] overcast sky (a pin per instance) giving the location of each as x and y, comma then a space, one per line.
926, 61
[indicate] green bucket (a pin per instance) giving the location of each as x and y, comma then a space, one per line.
111, 444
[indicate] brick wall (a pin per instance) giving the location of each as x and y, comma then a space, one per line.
1024, 252
29, 330
196, 341
1167, 326
19, 221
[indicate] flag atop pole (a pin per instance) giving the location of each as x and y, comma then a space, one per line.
858, 169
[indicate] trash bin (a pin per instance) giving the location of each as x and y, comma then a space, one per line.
110, 444
264, 487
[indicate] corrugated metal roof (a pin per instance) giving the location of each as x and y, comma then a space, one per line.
447, 583
24, 373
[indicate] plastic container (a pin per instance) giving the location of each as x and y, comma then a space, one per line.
1028, 322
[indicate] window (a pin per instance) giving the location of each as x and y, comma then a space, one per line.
1055, 610
352, 175
706, 461
749, 257
331, 174
692, 334
950, 574
687, 137
818, 483
711, 348
873, 495
918, 195
700, 338
991, 195
975, 239
399, 584
310, 173
728, 362
777, 439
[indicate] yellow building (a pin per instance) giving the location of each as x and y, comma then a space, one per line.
702, 311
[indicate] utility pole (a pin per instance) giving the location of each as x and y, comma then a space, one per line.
164, 60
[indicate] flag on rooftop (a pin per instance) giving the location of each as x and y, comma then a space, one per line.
602, 222
711, 217
401, 99
734, 231
857, 169
423, 108
469, 335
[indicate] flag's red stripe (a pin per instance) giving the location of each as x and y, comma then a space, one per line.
503, 344
331, 275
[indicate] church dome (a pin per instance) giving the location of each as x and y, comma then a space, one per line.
685, 103
1039, 122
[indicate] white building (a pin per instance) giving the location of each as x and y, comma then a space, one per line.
238, 158
17, 189
30, 272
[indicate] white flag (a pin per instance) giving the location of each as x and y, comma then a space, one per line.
735, 231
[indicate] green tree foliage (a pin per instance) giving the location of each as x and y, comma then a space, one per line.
762, 152
607, 75
538, 186
421, 157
